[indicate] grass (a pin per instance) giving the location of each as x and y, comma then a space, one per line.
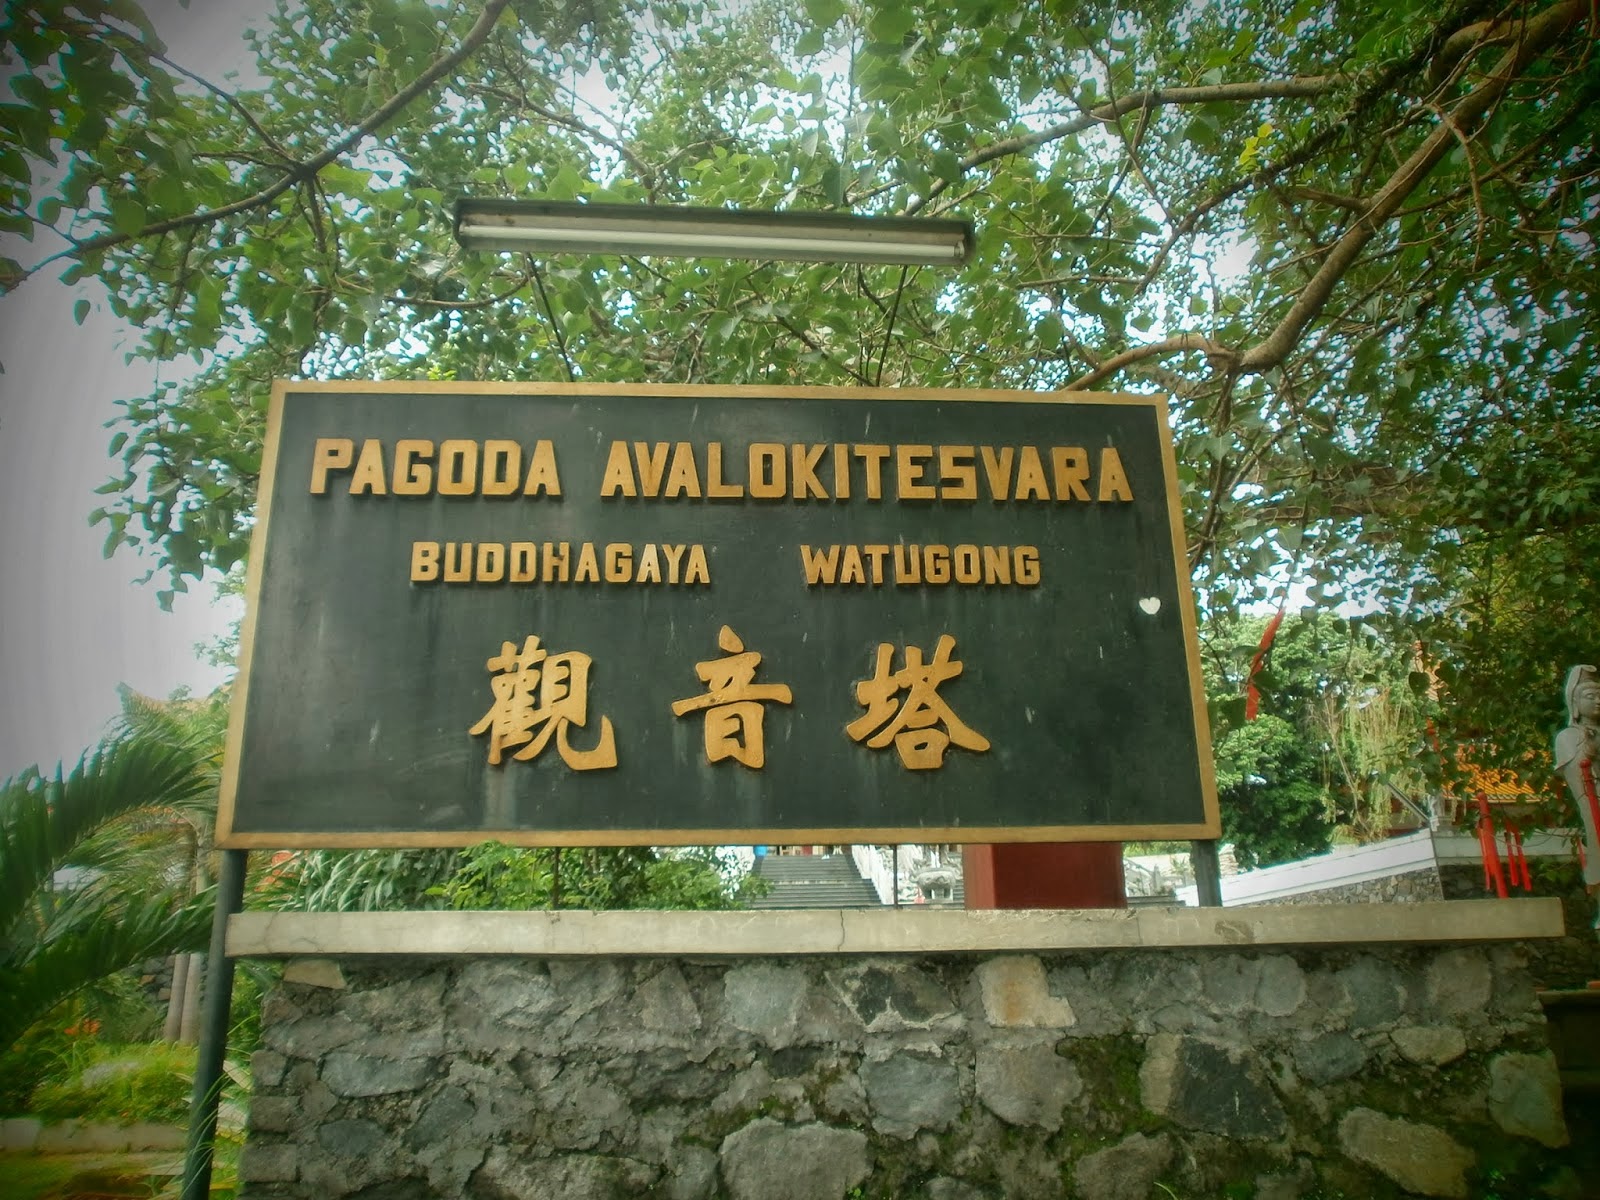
86, 1176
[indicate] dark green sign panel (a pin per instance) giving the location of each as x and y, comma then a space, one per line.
610, 615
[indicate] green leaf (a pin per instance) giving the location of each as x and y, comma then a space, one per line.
80, 310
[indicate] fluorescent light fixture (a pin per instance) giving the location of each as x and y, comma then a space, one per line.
561, 227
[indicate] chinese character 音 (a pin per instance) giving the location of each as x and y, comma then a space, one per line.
733, 703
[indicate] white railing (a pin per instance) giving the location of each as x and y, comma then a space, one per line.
870, 862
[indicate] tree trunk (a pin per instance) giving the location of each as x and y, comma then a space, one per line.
189, 1021
175, 991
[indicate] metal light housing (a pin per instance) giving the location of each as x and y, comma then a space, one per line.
553, 226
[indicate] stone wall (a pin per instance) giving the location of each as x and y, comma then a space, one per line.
1407, 887
1237, 1072
1566, 962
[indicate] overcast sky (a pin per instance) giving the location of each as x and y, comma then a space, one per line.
73, 625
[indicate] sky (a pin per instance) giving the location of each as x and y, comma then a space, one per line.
73, 625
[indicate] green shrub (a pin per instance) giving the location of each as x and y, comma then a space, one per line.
123, 1084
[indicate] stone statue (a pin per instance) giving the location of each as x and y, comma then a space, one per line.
1578, 760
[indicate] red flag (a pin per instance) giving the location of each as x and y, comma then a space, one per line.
1252, 698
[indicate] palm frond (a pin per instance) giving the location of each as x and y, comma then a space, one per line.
43, 820
87, 941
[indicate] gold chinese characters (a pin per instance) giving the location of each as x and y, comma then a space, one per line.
538, 696
734, 715
919, 723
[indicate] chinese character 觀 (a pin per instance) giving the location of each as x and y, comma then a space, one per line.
537, 694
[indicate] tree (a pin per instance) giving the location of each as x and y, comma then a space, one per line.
56, 941
1357, 247
1343, 718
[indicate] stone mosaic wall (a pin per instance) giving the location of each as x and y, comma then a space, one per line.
1406, 887
1115, 1075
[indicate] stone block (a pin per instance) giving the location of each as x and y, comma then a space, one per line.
266, 1068
1282, 988
1016, 995
1377, 992
314, 972
353, 1075
887, 999
519, 1171
1430, 1045
273, 1114
1329, 1058
1525, 1097
765, 1000
1027, 1084
908, 1092
1126, 1171
268, 1162
665, 1003
1418, 1157
1210, 1086
767, 1160
1459, 981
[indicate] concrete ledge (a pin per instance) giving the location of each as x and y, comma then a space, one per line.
881, 931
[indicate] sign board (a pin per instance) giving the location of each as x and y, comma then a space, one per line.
606, 615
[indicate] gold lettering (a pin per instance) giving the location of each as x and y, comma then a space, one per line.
1031, 484
841, 471
458, 467
652, 463
936, 562
872, 457
876, 555
1113, 480
997, 469
683, 479
958, 476
457, 562
715, 488
804, 470
909, 462
618, 479
491, 562
907, 564
768, 470
1072, 472
329, 454
411, 477
557, 557
588, 568
697, 570
542, 473
850, 568
619, 562
996, 565
1026, 560
674, 557
424, 562
502, 467
649, 565
820, 566
368, 475
524, 557
966, 564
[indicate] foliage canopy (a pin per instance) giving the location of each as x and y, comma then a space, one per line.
1354, 243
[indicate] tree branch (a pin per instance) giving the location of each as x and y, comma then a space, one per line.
307, 169
1215, 351
1307, 85
1539, 33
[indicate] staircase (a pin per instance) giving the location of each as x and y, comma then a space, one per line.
813, 881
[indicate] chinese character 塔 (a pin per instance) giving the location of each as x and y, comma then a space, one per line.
913, 721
